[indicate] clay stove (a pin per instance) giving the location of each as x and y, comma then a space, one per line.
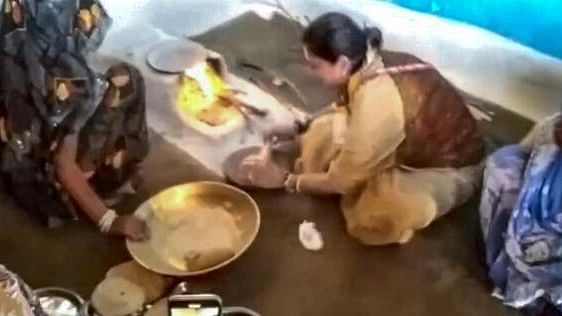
220, 112
208, 98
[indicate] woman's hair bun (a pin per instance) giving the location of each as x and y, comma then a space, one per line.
374, 37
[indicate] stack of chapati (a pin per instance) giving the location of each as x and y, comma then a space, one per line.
127, 288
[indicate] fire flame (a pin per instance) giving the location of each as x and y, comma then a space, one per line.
200, 94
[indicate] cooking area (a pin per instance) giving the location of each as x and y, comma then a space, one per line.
230, 208
205, 100
204, 108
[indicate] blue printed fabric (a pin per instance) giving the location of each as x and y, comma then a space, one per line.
521, 217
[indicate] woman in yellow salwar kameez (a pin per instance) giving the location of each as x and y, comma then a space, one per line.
402, 149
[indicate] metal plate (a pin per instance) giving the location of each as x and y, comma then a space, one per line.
231, 167
174, 56
234, 173
199, 194
59, 302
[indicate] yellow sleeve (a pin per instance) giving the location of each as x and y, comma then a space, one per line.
375, 130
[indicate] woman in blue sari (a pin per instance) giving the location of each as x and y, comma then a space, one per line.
521, 217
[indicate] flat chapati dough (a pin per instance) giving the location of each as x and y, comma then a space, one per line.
117, 297
201, 238
154, 285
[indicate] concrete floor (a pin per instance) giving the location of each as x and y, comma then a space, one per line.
441, 272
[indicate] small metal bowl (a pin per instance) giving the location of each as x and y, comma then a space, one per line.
59, 302
205, 194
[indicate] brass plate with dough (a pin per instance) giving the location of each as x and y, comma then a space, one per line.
174, 202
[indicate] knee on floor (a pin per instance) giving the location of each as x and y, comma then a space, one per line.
379, 231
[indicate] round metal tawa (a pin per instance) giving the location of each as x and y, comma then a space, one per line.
240, 177
198, 194
175, 56
59, 302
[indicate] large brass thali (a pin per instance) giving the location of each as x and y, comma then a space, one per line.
199, 194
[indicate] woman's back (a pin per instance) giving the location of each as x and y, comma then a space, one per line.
440, 130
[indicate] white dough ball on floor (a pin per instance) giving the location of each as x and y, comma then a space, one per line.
309, 236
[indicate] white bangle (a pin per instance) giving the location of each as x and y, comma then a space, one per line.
106, 221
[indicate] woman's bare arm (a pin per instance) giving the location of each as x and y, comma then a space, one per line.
76, 184
74, 181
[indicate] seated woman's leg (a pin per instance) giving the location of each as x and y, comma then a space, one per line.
392, 207
384, 214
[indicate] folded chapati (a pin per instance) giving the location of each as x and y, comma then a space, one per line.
117, 297
154, 285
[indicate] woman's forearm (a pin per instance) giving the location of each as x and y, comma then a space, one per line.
75, 182
318, 184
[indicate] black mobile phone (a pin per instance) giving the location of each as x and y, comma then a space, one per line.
195, 305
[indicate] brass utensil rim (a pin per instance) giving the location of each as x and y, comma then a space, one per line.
216, 267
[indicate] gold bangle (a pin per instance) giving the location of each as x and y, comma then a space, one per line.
298, 184
290, 186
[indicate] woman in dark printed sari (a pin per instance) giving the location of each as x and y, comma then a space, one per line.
69, 136
107, 150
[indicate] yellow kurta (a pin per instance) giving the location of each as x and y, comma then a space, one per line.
384, 202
